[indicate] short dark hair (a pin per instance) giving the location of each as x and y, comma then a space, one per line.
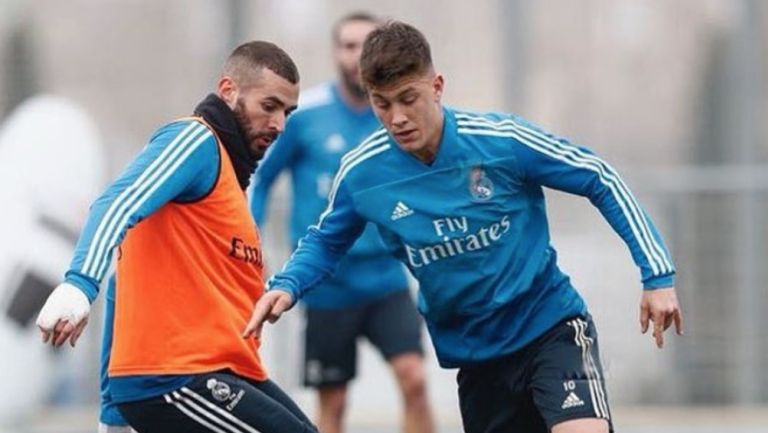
393, 51
247, 60
350, 17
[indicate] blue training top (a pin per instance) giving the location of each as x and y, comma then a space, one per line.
315, 138
472, 228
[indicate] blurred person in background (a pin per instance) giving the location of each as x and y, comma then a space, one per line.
189, 265
459, 198
368, 295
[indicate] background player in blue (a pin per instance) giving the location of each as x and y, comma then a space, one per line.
368, 295
458, 198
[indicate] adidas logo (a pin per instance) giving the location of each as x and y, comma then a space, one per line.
572, 400
401, 211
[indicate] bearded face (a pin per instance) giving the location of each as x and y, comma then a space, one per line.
257, 137
347, 49
350, 79
261, 109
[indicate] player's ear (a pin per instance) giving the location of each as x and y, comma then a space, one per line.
228, 91
438, 84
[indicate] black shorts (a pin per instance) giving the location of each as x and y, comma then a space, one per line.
391, 324
555, 378
219, 402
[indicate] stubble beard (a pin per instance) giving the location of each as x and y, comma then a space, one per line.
250, 135
353, 85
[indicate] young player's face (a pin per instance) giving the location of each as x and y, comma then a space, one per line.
346, 53
411, 111
261, 109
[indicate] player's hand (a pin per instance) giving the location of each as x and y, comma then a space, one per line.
269, 307
64, 315
660, 306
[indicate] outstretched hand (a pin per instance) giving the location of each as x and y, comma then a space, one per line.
64, 315
269, 307
661, 307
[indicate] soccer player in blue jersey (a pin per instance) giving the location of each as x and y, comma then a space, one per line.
368, 296
188, 266
458, 197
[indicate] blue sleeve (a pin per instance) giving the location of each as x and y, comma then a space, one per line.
325, 243
282, 154
554, 162
180, 163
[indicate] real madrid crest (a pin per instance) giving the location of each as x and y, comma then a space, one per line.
480, 186
219, 390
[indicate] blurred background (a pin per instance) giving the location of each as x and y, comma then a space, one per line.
672, 93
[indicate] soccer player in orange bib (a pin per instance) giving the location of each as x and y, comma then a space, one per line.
189, 264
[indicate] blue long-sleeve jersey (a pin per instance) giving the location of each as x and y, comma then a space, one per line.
472, 228
180, 163
316, 136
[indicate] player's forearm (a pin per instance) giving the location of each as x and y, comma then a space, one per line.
640, 235
310, 263
323, 246
90, 253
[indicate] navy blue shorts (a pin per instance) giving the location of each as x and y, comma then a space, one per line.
391, 324
219, 402
555, 378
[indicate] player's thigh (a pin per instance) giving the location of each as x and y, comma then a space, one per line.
568, 382
393, 325
156, 415
218, 402
330, 345
494, 398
